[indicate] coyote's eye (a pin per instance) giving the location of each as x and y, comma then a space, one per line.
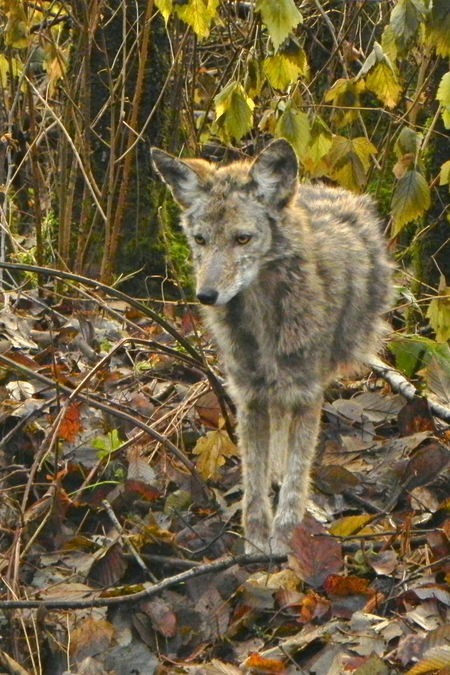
200, 239
243, 239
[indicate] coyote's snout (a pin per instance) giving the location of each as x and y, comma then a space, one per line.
294, 279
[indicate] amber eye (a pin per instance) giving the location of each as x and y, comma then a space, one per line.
243, 239
200, 240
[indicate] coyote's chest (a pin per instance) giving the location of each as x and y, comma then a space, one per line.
247, 334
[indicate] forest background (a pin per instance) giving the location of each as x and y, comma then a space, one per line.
362, 91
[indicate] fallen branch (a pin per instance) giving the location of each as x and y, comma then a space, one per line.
400, 385
95, 601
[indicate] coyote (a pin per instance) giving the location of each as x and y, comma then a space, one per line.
293, 278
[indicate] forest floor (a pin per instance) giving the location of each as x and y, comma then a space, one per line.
120, 546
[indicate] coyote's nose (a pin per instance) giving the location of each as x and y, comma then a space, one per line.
208, 296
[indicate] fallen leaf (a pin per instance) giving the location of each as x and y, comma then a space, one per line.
314, 557
384, 562
260, 664
213, 450
70, 425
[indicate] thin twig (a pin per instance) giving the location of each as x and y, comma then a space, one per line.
108, 407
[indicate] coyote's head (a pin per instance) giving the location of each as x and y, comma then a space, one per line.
231, 214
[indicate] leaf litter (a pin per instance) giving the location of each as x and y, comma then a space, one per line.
120, 471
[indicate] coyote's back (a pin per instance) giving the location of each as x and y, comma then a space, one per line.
294, 280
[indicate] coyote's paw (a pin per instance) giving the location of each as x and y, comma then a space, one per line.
273, 545
279, 543
257, 528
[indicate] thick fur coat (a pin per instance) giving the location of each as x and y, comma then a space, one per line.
294, 279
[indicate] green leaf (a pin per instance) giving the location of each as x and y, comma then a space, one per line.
443, 96
408, 142
439, 313
411, 353
373, 666
199, 14
438, 27
293, 125
406, 18
165, 7
177, 502
234, 112
280, 17
252, 83
389, 43
410, 200
107, 444
444, 176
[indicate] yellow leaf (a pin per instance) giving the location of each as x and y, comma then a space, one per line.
350, 160
198, 14
344, 95
286, 580
16, 33
444, 176
384, 83
234, 112
212, 450
281, 71
8, 66
439, 313
410, 200
280, 17
344, 527
438, 27
321, 140
443, 96
165, 7
433, 660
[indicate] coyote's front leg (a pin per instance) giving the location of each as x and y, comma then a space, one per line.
254, 432
303, 431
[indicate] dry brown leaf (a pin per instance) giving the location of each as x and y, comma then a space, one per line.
91, 636
212, 450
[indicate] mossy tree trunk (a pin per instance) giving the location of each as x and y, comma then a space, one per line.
118, 66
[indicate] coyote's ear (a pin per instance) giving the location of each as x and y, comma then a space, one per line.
275, 171
182, 177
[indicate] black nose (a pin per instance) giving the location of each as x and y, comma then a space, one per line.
208, 296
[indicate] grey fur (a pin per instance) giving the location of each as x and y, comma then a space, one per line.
296, 278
